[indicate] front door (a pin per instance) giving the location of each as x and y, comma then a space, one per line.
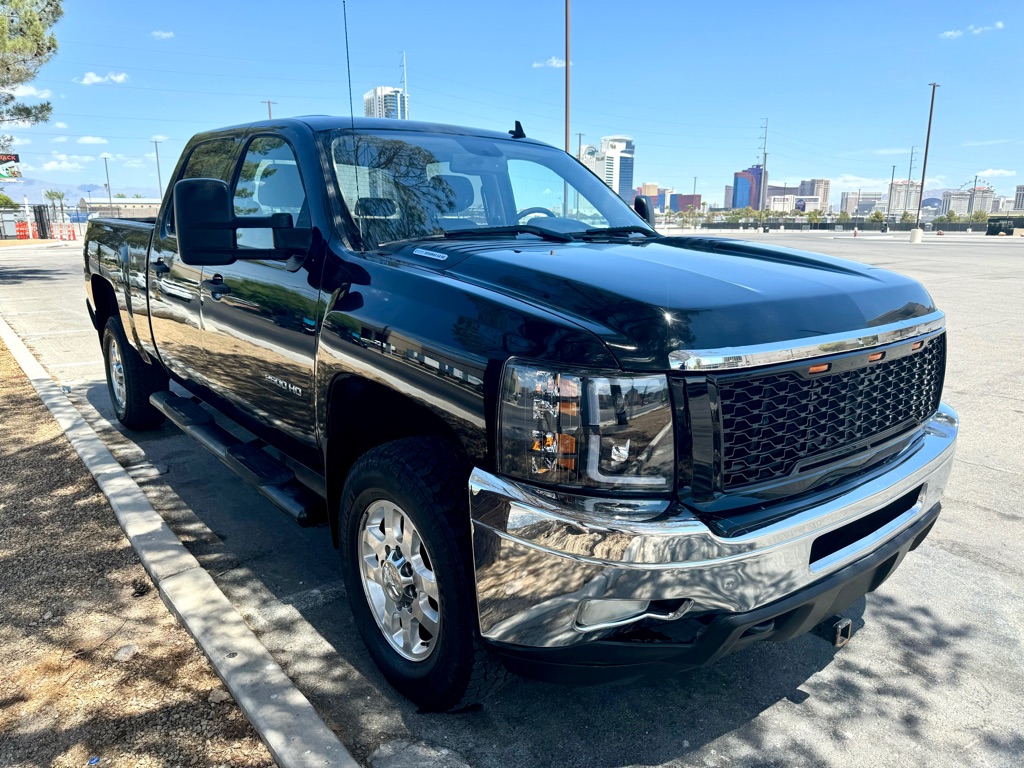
175, 288
260, 320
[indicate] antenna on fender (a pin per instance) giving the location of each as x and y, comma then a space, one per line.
518, 132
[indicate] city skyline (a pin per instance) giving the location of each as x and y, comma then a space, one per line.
126, 76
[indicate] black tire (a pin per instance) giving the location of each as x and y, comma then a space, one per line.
423, 478
130, 389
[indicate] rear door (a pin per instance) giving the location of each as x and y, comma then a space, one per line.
261, 320
175, 288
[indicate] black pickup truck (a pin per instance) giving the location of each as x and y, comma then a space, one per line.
539, 432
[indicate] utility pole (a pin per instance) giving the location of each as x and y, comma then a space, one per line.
566, 76
892, 180
110, 198
974, 191
159, 182
764, 173
910, 170
405, 90
270, 115
924, 164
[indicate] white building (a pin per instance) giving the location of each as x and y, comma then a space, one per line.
958, 202
816, 188
1002, 204
613, 163
385, 101
860, 203
783, 203
981, 199
904, 196
1018, 199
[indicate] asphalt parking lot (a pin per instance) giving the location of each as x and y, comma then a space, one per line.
932, 676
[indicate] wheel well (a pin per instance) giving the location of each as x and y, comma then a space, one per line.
105, 300
361, 415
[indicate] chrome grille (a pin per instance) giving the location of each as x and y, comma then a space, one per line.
776, 422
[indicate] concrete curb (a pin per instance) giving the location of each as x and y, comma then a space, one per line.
283, 717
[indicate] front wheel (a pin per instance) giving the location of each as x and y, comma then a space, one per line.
404, 529
130, 380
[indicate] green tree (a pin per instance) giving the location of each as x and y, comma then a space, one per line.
120, 195
907, 218
26, 43
877, 216
844, 217
136, 195
979, 217
952, 217
6, 202
813, 217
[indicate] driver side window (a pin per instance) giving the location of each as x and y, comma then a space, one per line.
269, 182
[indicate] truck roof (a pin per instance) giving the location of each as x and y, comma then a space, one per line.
335, 122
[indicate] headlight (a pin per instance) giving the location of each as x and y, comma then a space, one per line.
586, 429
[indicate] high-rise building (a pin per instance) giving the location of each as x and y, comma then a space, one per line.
956, 202
649, 188
904, 196
727, 199
981, 199
385, 101
746, 187
678, 202
1018, 199
1002, 204
816, 188
613, 163
860, 203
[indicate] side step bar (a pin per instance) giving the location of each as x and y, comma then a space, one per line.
250, 461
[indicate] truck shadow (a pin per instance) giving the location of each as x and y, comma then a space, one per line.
19, 275
285, 581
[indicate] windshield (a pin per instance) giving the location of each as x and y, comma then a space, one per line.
408, 185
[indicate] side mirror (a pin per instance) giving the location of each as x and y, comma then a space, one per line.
205, 224
642, 204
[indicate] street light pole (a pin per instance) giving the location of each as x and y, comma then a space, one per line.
924, 164
892, 180
159, 182
110, 198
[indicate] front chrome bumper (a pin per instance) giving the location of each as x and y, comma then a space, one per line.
538, 556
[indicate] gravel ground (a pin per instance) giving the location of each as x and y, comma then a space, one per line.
94, 667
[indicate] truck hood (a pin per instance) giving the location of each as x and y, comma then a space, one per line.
648, 300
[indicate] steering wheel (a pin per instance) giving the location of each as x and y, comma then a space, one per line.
537, 209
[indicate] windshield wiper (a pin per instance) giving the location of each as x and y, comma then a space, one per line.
514, 229
590, 234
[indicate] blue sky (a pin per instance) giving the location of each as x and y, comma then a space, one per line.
844, 87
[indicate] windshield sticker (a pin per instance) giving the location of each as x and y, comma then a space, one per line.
430, 254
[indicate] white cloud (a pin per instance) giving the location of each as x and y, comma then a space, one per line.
891, 151
17, 141
978, 30
106, 155
953, 34
60, 124
134, 162
992, 172
20, 91
161, 35
159, 137
91, 78
554, 61
91, 140
60, 139
62, 162
988, 143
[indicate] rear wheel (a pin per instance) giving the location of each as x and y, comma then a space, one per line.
404, 528
130, 380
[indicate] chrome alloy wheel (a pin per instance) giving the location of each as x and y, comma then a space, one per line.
116, 373
398, 580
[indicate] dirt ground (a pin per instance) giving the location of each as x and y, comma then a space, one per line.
95, 671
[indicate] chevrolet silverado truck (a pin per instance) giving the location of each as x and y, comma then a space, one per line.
543, 436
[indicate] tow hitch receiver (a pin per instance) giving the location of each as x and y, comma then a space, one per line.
836, 629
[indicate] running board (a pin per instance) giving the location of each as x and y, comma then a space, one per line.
271, 477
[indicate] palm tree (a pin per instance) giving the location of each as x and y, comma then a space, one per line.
55, 196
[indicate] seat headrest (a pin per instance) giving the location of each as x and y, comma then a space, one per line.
380, 207
454, 193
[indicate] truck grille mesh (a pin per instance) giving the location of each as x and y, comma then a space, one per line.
773, 422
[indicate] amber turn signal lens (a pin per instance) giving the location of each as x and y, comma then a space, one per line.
820, 368
875, 357
917, 346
